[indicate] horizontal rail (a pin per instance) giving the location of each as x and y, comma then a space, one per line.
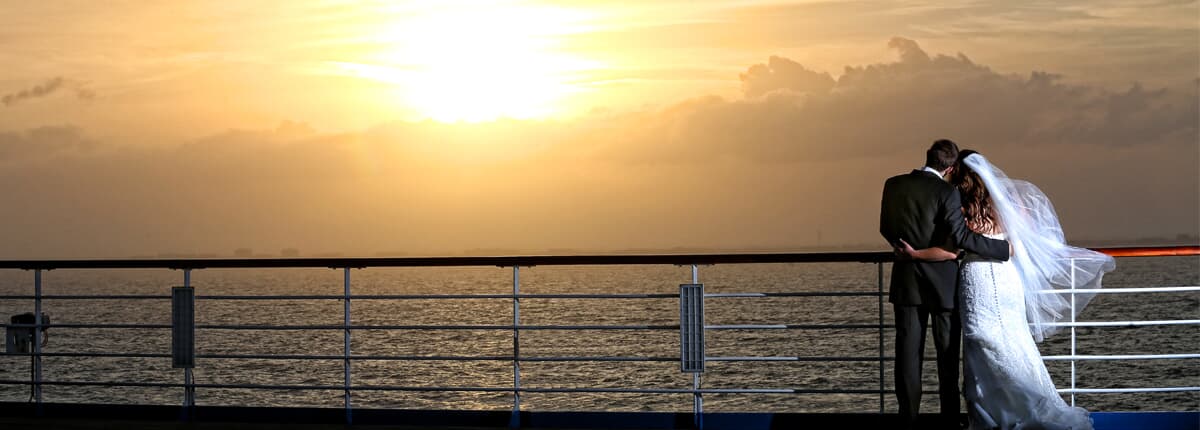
547, 390
356, 327
443, 297
536, 260
94, 383
550, 390
1121, 357
358, 297
506, 358
1122, 323
812, 294
460, 389
596, 359
88, 354
97, 325
552, 296
1151, 251
1122, 290
440, 296
796, 326
343, 357
438, 327
1127, 390
526, 261
807, 359
565, 359
568, 327
549, 296
86, 297
353, 357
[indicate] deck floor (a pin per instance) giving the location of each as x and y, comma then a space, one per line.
92, 424
96, 417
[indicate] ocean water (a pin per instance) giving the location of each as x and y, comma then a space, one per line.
856, 277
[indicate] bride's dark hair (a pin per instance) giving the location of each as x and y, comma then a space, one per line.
976, 202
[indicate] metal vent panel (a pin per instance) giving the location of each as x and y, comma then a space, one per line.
691, 328
183, 327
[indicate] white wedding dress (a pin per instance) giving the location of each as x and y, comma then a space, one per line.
1005, 380
1008, 306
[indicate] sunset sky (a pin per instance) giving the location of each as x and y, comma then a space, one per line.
427, 127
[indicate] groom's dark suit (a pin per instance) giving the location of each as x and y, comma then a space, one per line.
926, 211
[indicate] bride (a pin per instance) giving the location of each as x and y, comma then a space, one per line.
1007, 306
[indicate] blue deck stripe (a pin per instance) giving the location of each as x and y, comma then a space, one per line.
1147, 420
1189, 420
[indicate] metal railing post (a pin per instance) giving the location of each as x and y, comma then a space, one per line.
882, 384
1072, 332
346, 349
36, 363
515, 420
697, 399
189, 389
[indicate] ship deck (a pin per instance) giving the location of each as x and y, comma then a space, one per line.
145, 417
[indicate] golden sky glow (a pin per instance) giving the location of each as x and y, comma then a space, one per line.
435, 55
390, 125
349, 64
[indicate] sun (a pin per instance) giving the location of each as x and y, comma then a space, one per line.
480, 61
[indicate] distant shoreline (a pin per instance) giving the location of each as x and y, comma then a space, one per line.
861, 247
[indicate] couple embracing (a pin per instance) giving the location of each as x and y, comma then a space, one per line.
983, 257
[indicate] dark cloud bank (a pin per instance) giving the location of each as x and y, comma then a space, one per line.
800, 156
46, 89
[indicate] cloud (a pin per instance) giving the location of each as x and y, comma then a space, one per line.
46, 89
42, 142
790, 113
782, 73
42, 90
85, 93
909, 51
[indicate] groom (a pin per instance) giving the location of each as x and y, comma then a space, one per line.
924, 210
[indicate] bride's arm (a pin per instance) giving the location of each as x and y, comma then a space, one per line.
927, 254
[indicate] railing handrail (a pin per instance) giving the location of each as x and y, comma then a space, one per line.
525, 261
502, 261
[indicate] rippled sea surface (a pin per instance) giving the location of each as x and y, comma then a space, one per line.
657, 343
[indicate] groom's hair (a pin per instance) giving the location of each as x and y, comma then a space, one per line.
942, 154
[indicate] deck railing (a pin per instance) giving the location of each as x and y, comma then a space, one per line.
691, 325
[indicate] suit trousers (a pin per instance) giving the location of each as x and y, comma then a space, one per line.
911, 322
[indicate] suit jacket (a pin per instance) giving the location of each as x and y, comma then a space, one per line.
926, 211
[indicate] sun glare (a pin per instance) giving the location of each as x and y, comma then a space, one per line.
473, 62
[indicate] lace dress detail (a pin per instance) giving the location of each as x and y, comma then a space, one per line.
1005, 381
